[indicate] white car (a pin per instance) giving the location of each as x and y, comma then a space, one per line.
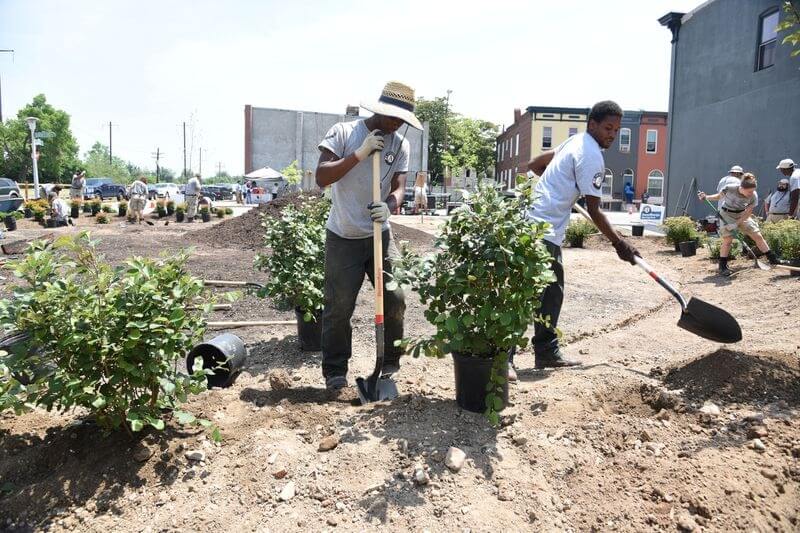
165, 190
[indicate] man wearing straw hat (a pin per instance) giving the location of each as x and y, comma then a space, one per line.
344, 164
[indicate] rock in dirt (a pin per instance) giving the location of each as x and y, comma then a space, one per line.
769, 473
454, 459
758, 445
687, 523
142, 453
645, 436
662, 415
196, 455
287, 493
328, 443
757, 432
279, 380
420, 476
280, 474
710, 408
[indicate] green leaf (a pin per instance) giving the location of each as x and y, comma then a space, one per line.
99, 402
156, 423
136, 425
184, 418
215, 435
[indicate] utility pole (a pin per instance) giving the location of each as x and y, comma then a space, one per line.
184, 149
201, 161
157, 156
446, 141
110, 158
219, 168
1, 88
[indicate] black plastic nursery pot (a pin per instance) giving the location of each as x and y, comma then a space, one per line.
677, 247
309, 333
225, 355
206, 217
28, 212
95, 209
472, 376
10, 222
87, 208
179, 216
123, 211
637, 230
75, 211
688, 248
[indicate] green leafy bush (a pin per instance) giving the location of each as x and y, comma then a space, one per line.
680, 229
483, 287
15, 214
161, 208
228, 210
204, 209
714, 245
102, 338
170, 207
790, 239
220, 212
296, 260
577, 231
180, 208
106, 208
103, 218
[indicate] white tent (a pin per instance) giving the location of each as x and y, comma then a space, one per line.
266, 172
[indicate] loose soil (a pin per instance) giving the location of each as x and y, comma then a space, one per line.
620, 444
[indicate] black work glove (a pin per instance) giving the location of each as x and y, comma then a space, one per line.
625, 251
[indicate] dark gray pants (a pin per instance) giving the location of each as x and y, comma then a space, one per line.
346, 262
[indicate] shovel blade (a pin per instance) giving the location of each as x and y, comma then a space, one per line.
371, 390
710, 322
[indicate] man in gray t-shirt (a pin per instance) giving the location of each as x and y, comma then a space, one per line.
345, 164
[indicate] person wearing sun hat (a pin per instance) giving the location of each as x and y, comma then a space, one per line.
345, 166
790, 170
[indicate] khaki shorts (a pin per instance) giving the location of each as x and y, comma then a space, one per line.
137, 204
749, 227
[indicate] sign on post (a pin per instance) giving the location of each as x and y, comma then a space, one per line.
44, 134
651, 214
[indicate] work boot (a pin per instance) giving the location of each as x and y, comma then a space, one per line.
723, 267
334, 383
772, 258
555, 360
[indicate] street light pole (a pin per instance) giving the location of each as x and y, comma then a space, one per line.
32, 125
446, 141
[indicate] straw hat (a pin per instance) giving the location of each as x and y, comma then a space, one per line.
396, 100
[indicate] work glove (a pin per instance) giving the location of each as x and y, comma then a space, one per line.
379, 212
730, 227
374, 141
625, 251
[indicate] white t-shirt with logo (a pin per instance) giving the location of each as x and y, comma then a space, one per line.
794, 180
349, 217
577, 169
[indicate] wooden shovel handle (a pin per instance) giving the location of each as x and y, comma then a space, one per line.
251, 323
377, 239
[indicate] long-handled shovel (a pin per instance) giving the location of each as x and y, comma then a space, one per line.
699, 317
760, 264
376, 388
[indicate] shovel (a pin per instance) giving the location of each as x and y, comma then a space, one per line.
698, 317
760, 264
376, 388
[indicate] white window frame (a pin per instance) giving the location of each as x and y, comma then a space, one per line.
545, 136
502, 149
660, 178
625, 148
626, 173
762, 44
572, 131
647, 142
516, 149
608, 184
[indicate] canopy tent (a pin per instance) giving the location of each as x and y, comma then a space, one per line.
266, 172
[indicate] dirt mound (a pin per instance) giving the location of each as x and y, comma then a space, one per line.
738, 377
245, 231
419, 241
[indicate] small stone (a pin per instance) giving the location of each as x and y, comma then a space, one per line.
663, 414
645, 436
583, 351
328, 443
710, 408
519, 440
454, 459
769, 474
280, 474
340, 507
142, 453
332, 521
757, 432
279, 380
287, 493
272, 458
420, 476
695, 428
757, 445
687, 523
196, 455
505, 494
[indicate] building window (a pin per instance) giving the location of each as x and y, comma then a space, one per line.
625, 140
547, 137
608, 183
767, 40
573, 131
655, 183
652, 141
516, 148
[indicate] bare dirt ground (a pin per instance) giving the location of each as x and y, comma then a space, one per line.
622, 444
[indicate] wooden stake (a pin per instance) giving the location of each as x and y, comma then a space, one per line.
253, 323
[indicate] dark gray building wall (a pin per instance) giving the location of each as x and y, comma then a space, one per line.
723, 112
617, 161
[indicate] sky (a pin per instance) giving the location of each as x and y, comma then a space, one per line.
149, 66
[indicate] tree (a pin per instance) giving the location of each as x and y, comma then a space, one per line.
472, 145
58, 157
791, 21
96, 163
434, 112
292, 174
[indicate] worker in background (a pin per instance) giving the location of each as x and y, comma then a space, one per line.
777, 203
58, 208
420, 193
629, 192
790, 170
192, 194
78, 186
138, 199
732, 178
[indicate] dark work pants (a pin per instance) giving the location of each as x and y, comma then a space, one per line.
346, 262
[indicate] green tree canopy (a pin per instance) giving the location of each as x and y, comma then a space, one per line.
292, 174
791, 25
97, 165
433, 112
58, 157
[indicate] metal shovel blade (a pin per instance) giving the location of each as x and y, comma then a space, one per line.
710, 322
376, 390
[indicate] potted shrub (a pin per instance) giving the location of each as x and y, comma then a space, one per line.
106, 208
103, 218
161, 208
180, 212
220, 212
96, 206
28, 211
681, 229
87, 207
577, 231
75, 208
482, 291
205, 213
170, 207
123, 208
714, 245
228, 210
790, 243
10, 219
38, 214
296, 265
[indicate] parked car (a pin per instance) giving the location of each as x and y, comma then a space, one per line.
9, 189
92, 184
216, 193
111, 190
163, 190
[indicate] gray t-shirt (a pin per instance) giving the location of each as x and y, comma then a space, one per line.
349, 217
731, 199
724, 182
577, 169
779, 202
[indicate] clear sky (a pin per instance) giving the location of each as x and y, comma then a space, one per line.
147, 66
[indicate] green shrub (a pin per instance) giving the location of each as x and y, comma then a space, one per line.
228, 210
714, 245
577, 231
220, 212
790, 239
204, 209
161, 208
105, 339
296, 261
15, 214
170, 207
103, 218
680, 229
482, 289
106, 208
180, 208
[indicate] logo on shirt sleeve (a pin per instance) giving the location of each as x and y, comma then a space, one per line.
597, 180
389, 158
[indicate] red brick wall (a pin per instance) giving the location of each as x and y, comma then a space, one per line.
510, 161
648, 162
